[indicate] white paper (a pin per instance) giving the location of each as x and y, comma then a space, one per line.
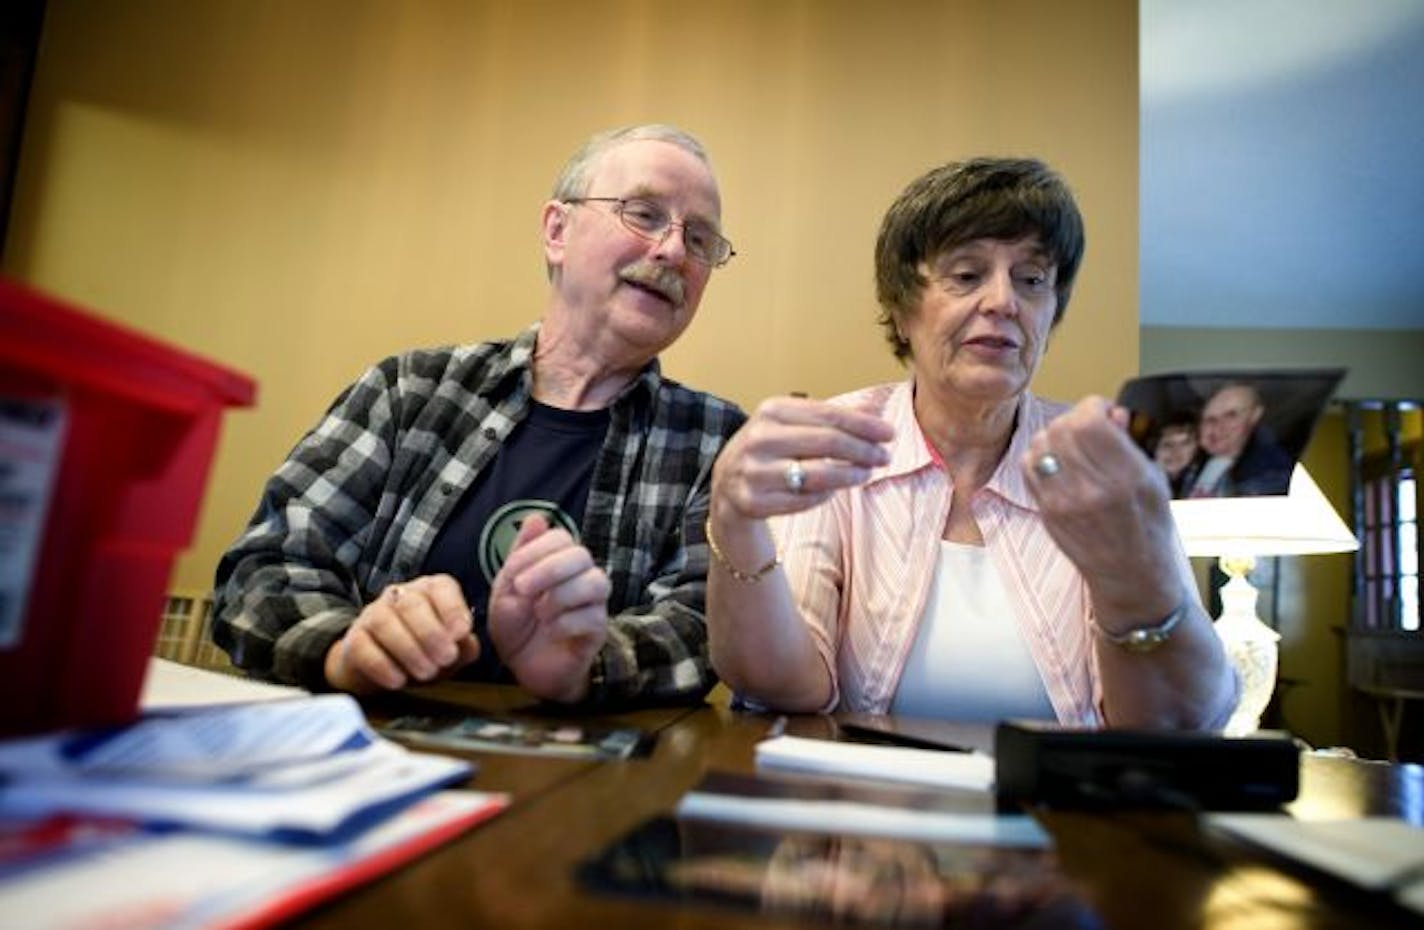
381, 775
185, 880
303, 767
1375, 853
862, 819
222, 742
172, 684
969, 770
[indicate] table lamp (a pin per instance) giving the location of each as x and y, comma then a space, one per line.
1236, 530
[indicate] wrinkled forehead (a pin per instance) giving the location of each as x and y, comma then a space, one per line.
1232, 400
660, 171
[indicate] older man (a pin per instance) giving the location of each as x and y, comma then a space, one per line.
525, 510
1245, 459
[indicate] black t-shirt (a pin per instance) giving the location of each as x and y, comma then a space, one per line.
545, 467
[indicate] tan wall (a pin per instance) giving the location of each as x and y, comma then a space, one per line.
298, 188
1315, 603
1377, 363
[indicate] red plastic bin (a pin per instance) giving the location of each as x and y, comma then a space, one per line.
122, 427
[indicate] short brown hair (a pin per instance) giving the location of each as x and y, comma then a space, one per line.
982, 198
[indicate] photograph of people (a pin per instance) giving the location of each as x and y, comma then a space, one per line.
524, 510
1244, 458
952, 545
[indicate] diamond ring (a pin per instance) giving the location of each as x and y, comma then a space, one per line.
1047, 465
795, 477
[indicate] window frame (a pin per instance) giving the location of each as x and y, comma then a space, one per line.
1387, 597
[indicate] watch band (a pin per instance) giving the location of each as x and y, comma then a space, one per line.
1145, 638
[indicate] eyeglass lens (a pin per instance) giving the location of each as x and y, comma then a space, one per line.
651, 221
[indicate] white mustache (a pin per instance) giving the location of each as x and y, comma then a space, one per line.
663, 280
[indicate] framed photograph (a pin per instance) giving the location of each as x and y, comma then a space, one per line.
1228, 433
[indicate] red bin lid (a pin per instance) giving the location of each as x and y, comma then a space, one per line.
45, 338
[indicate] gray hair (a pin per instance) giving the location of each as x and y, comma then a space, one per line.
574, 179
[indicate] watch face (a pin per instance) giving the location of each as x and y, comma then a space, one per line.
1144, 640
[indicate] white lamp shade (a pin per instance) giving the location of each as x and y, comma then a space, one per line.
1300, 522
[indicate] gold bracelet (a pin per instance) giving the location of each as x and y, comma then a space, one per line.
1145, 638
734, 571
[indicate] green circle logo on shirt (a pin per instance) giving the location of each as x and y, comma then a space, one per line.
497, 538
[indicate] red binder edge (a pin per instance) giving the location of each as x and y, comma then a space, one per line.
288, 902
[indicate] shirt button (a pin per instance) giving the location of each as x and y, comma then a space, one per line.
446, 488
490, 433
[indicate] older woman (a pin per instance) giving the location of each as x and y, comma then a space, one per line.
952, 545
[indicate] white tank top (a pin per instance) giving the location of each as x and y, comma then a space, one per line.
969, 661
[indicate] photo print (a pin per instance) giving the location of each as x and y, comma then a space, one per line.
1228, 433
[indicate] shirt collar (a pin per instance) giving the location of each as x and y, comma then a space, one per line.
515, 361
518, 360
911, 450
1008, 479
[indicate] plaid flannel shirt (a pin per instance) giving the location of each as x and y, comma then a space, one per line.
359, 501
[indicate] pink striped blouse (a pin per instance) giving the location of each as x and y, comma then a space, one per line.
860, 566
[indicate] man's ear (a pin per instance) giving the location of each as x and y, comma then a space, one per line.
555, 221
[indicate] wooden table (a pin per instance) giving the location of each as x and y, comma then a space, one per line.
1154, 870
1391, 701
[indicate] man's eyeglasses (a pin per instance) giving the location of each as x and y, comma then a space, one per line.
650, 221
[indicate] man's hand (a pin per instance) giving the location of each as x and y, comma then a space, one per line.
416, 631
548, 612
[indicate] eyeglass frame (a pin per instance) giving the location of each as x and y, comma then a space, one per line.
661, 234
